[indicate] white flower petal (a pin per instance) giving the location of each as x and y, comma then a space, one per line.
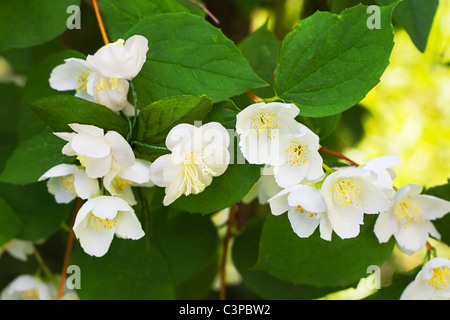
121, 150
97, 168
128, 226
385, 226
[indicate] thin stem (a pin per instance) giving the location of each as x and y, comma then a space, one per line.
100, 22
254, 97
142, 144
132, 124
226, 244
42, 264
338, 155
69, 246
201, 6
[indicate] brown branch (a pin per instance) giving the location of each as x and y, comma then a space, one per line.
201, 6
338, 155
254, 97
69, 246
100, 22
226, 244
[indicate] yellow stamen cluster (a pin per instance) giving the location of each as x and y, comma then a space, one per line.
81, 82
440, 278
102, 85
302, 210
31, 294
346, 192
190, 168
99, 223
407, 212
81, 159
119, 184
67, 183
295, 154
265, 124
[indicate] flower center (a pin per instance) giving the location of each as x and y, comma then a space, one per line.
192, 165
119, 184
99, 223
300, 209
110, 83
295, 154
81, 82
31, 294
67, 183
347, 192
265, 123
81, 159
440, 278
406, 212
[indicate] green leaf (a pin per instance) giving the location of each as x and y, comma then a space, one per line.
317, 262
328, 63
261, 50
189, 56
10, 224
35, 22
245, 255
156, 120
36, 208
416, 17
119, 16
130, 270
58, 111
34, 157
225, 190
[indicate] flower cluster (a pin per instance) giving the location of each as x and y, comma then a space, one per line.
333, 199
103, 77
106, 172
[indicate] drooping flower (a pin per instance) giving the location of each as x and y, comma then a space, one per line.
431, 283
19, 249
119, 182
306, 210
197, 155
74, 74
299, 159
350, 192
28, 287
98, 152
67, 181
120, 59
260, 126
100, 218
409, 218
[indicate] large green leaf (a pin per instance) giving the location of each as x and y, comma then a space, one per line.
416, 17
28, 23
245, 255
189, 56
328, 63
119, 16
10, 224
58, 111
33, 157
36, 208
317, 262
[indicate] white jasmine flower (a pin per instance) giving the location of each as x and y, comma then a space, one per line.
27, 287
409, 218
299, 159
306, 210
120, 59
98, 152
197, 155
350, 192
260, 126
19, 249
67, 181
119, 182
74, 74
100, 218
431, 283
